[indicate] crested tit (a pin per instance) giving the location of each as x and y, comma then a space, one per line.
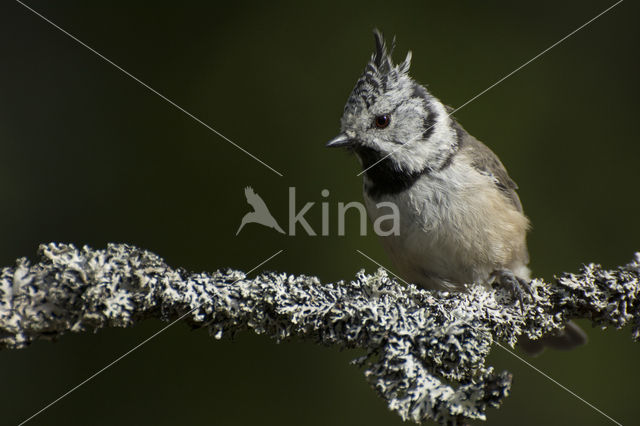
461, 220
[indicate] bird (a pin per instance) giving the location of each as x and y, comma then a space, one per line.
461, 221
260, 213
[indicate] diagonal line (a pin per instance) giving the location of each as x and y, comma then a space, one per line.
504, 78
115, 361
512, 353
560, 384
142, 83
382, 267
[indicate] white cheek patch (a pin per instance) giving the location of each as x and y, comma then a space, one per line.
419, 154
405, 125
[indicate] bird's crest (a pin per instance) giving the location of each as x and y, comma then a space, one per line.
380, 74
383, 61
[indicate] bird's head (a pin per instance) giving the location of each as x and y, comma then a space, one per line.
390, 115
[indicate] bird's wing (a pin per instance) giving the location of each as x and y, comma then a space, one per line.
488, 164
255, 200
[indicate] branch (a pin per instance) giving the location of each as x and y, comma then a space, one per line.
425, 350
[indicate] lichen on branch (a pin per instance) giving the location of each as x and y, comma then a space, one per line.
425, 351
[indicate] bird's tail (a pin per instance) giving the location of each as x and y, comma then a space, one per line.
277, 227
242, 224
571, 337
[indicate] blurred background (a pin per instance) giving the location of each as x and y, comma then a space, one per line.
89, 156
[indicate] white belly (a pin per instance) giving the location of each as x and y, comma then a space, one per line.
454, 235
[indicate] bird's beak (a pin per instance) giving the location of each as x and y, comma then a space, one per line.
340, 140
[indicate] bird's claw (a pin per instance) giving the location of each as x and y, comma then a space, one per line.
518, 286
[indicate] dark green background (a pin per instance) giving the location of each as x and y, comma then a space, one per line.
89, 156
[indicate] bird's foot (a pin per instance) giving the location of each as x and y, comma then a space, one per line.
518, 286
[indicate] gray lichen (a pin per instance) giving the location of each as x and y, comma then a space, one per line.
425, 350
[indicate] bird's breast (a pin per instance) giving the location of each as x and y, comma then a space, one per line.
452, 231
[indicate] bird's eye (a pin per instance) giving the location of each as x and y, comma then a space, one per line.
382, 121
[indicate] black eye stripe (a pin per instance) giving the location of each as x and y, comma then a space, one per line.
429, 123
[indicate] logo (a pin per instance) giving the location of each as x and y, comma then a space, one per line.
384, 215
260, 213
